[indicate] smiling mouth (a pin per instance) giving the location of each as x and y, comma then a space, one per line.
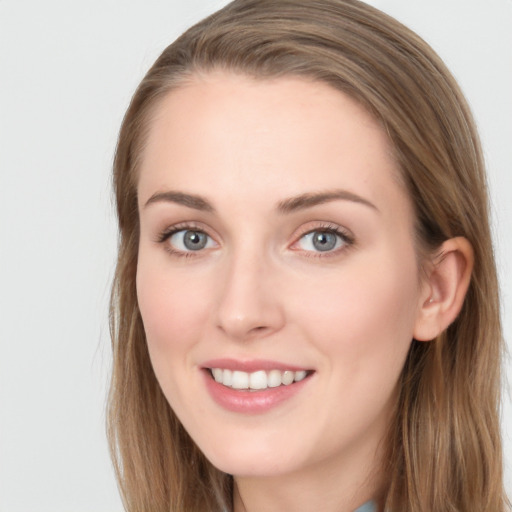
259, 380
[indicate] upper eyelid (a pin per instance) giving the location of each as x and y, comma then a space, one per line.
164, 237
183, 226
345, 234
323, 226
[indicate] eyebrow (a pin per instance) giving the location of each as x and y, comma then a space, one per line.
309, 200
300, 202
189, 200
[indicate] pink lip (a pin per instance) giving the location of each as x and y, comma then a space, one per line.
251, 365
250, 402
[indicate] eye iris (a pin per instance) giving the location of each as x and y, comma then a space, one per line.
194, 240
324, 241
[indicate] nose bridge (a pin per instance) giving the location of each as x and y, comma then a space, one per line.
248, 306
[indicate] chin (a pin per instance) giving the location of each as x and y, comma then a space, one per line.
252, 455
255, 467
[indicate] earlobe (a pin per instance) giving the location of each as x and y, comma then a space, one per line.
445, 288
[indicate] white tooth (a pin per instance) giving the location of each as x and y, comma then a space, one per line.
301, 374
287, 377
227, 377
240, 380
258, 380
274, 378
217, 374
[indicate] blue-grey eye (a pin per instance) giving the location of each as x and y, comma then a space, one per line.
321, 241
187, 240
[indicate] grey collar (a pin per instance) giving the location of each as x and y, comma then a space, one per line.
369, 506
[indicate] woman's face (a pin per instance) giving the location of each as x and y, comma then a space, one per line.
276, 253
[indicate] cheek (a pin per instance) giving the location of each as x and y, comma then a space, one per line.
173, 316
365, 315
362, 323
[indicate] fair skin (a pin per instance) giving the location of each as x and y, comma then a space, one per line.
274, 231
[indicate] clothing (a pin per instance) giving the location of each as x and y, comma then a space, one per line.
369, 506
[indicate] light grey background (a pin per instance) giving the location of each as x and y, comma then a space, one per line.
67, 71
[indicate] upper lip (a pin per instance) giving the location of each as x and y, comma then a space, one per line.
251, 365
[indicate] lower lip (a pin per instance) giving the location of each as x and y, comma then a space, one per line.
251, 402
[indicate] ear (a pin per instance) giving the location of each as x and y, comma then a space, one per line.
444, 288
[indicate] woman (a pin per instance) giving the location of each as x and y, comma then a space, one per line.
305, 312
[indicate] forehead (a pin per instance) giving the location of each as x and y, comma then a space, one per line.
227, 133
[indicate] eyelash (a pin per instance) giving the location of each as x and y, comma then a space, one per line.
170, 231
346, 238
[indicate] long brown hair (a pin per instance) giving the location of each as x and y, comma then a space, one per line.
444, 446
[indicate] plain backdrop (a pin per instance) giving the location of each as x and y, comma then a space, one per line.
67, 71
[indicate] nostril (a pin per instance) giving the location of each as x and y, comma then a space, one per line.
260, 328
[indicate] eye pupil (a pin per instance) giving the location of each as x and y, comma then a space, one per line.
194, 240
324, 241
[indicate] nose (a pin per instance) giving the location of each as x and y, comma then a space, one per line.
250, 304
